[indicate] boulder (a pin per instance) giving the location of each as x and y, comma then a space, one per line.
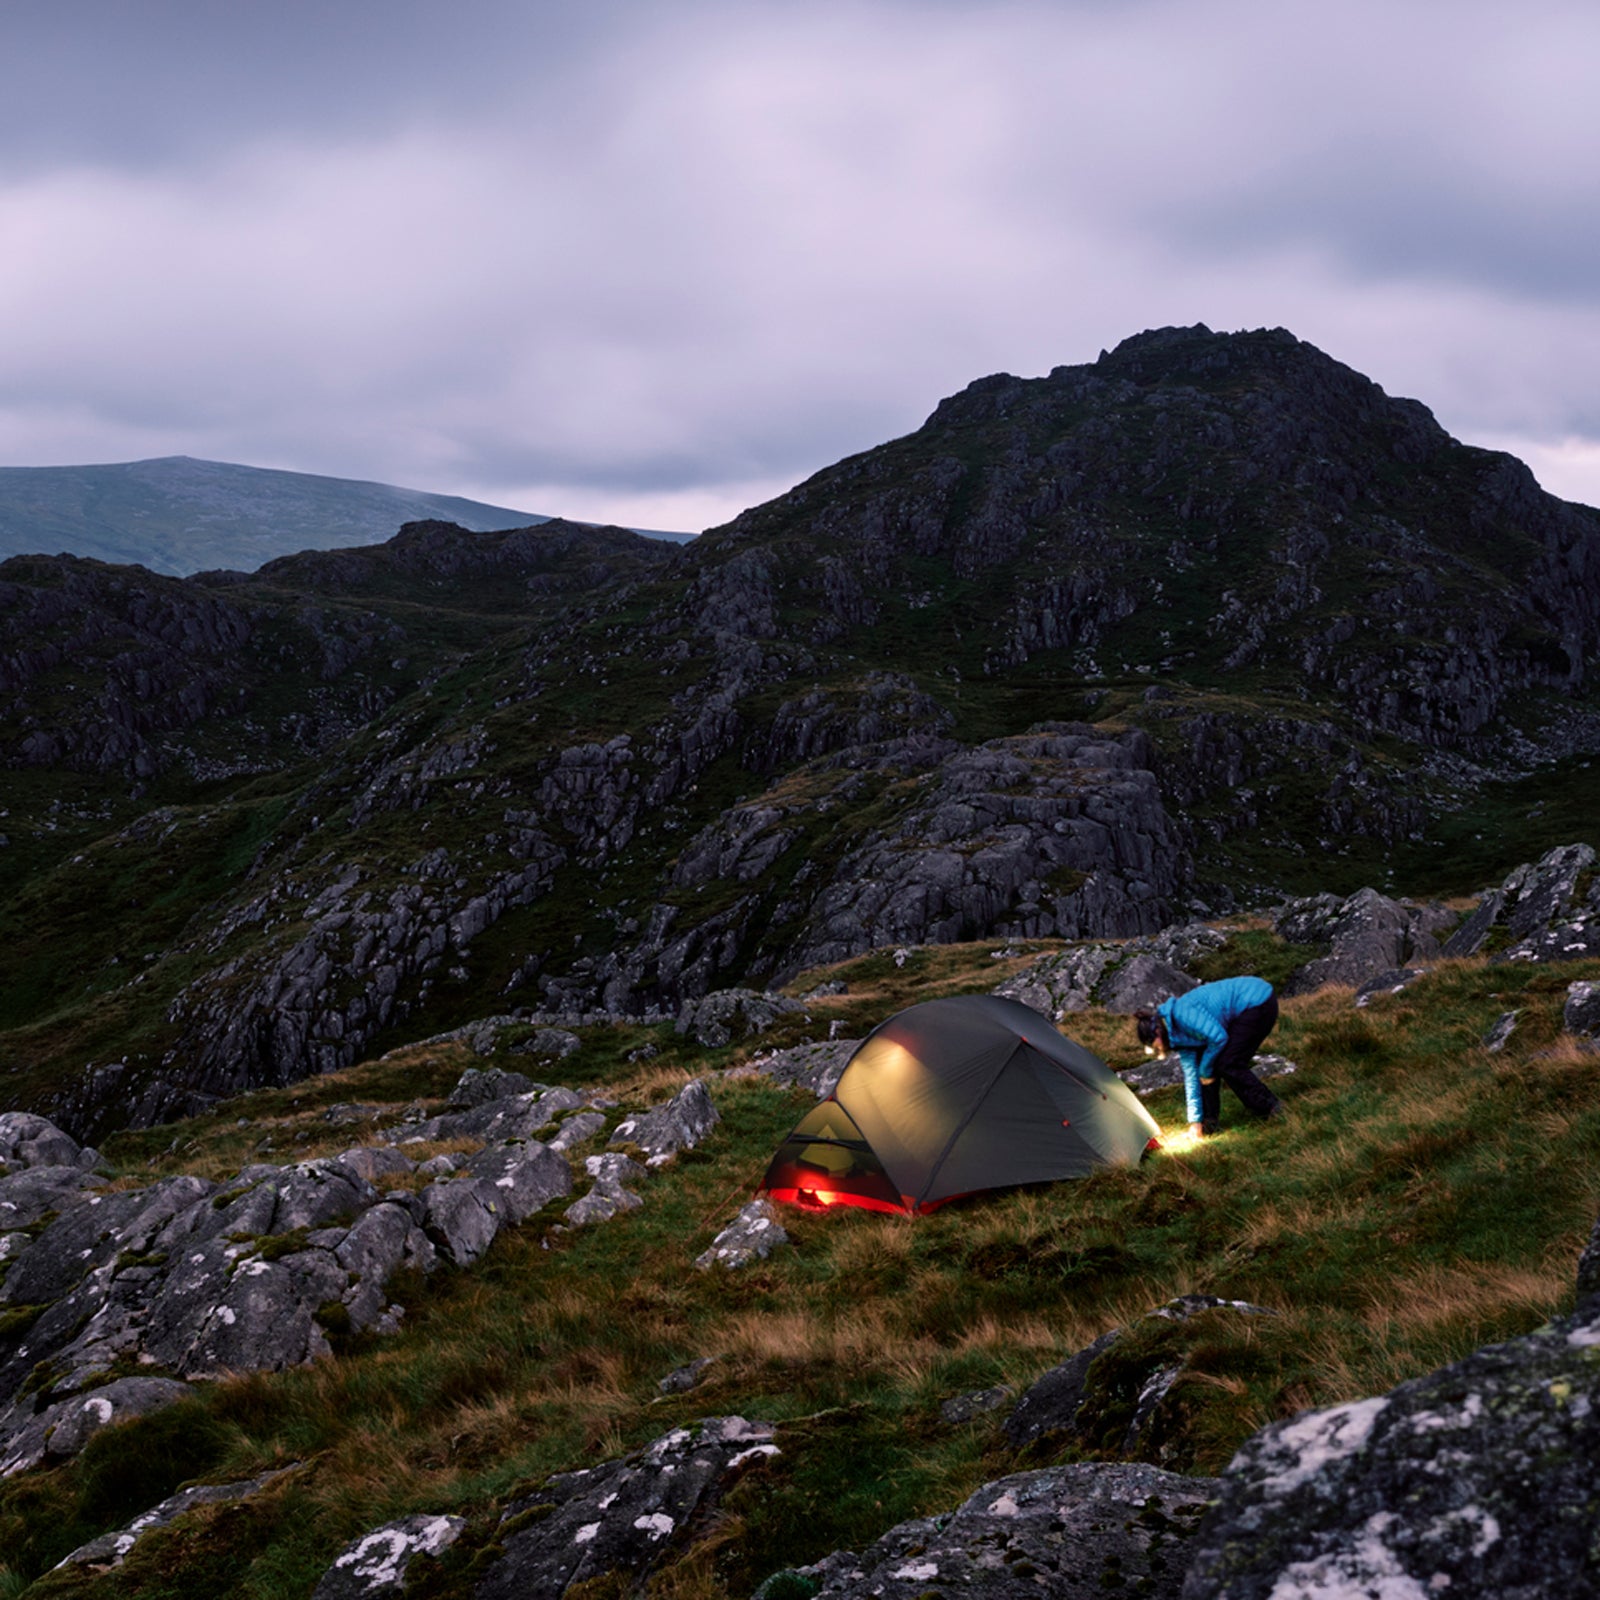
27, 1140
678, 1125
1581, 1013
1481, 1478
1368, 933
607, 1192
752, 1236
1499, 1036
1143, 983
724, 1015
477, 1086
523, 1176
1075, 1532
1053, 1404
816, 1068
625, 1516
1387, 983
379, 1563
63, 1429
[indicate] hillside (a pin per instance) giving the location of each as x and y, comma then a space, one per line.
1432, 1190
177, 515
1209, 620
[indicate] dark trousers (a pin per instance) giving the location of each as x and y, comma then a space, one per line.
1232, 1065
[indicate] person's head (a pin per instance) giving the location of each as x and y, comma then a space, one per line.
1151, 1034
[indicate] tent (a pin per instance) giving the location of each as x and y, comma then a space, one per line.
953, 1096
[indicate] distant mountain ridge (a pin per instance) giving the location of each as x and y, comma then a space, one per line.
178, 515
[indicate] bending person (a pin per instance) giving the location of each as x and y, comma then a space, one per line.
1216, 1031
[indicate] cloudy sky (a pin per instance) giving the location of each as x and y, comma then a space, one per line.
652, 263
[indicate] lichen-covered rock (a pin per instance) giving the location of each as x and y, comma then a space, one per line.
1054, 1402
1071, 1532
724, 1015
379, 1562
678, 1125
816, 1068
626, 1516
1368, 933
752, 1236
608, 1194
477, 1086
1581, 1013
1482, 1478
1544, 909
61, 1430
1381, 984
112, 1549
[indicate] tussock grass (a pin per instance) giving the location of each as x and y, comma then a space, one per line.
1423, 1197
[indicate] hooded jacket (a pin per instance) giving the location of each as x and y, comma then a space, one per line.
1196, 1026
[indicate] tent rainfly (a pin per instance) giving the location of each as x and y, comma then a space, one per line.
954, 1096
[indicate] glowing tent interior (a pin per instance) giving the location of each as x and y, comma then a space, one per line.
954, 1096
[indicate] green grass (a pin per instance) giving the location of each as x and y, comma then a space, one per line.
1424, 1198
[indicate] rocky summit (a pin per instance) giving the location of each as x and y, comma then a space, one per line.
412, 954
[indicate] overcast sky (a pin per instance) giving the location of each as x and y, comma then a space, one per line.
653, 263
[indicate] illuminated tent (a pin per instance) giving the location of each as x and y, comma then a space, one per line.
954, 1096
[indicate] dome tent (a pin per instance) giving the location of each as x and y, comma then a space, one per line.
953, 1096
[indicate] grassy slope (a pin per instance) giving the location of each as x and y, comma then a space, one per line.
1424, 1198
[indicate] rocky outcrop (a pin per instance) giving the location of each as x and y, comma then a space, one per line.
626, 1517
380, 1562
1077, 1532
1367, 933
1125, 977
1546, 910
193, 1279
1479, 1479
752, 1236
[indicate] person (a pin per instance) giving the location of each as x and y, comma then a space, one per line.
1216, 1031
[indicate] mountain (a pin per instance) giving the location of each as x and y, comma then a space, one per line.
178, 515
436, 936
1206, 621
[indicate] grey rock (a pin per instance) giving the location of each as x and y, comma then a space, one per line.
553, 1044
1142, 983
719, 1018
816, 1068
461, 1217
477, 1086
1544, 917
61, 1430
1469, 938
1071, 1532
112, 1549
579, 1129
979, 1403
1053, 1402
626, 1516
1369, 934
1481, 1478
1387, 983
1499, 1036
1058, 984
27, 1140
682, 1379
678, 1125
608, 1194
1581, 1013
30, 1194
380, 1562
752, 1236
524, 1177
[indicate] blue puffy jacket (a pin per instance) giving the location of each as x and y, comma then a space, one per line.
1196, 1025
